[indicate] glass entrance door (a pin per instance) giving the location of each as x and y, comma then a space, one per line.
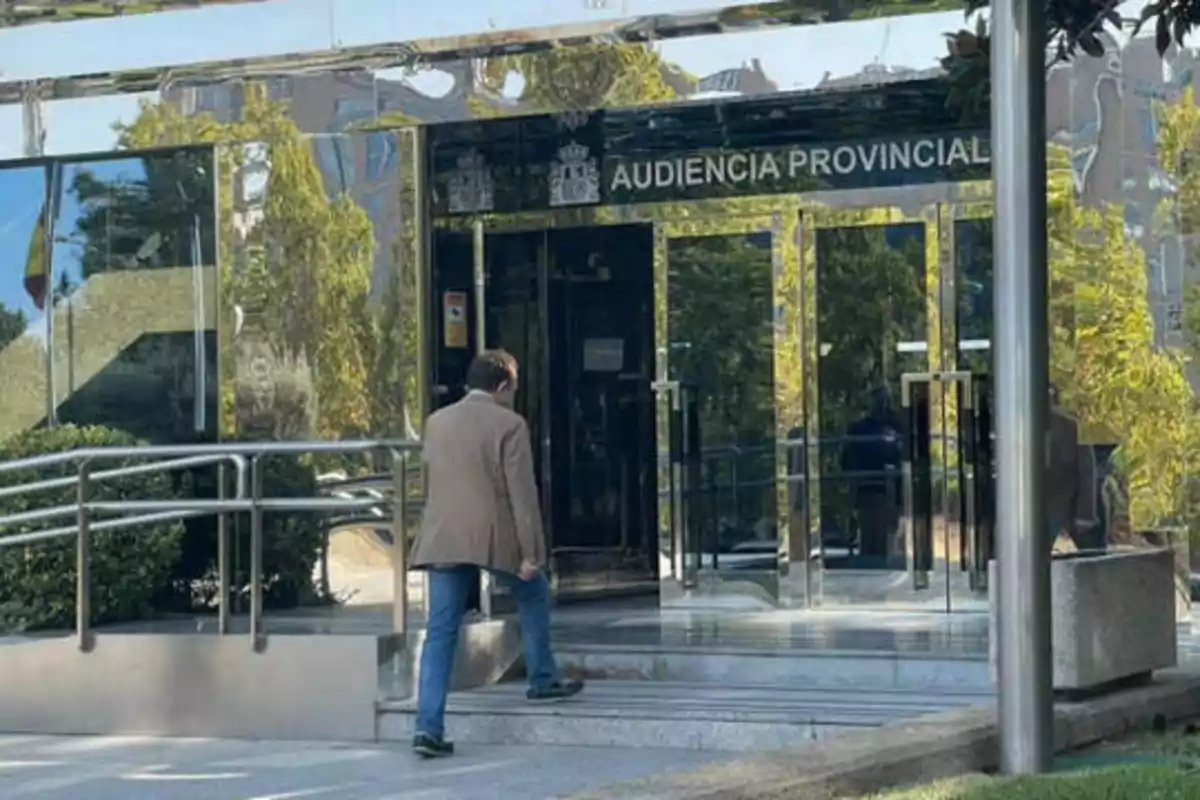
971, 293
877, 428
723, 356
599, 347
901, 406
575, 307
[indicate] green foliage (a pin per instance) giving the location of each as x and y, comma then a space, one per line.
12, 325
732, 375
129, 566
1173, 20
1122, 783
1072, 26
1112, 377
292, 542
1178, 125
1178, 146
870, 300
303, 275
281, 403
323, 352
586, 76
118, 217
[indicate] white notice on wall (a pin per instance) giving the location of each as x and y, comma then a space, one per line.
603, 355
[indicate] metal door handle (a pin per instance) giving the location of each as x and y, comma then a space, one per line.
669, 387
910, 533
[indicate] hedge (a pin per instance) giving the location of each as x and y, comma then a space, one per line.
130, 566
291, 544
165, 567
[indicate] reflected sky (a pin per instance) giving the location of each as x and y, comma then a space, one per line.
21, 194
283, 26
21, 198
286, 26
289, 26
78, 126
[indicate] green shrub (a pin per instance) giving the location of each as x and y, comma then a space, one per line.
291, 544
291, 541
129, 566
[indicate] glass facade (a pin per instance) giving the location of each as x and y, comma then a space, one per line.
751, 293
110, 300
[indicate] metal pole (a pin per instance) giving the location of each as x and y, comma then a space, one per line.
223, 579
400, 543
1019, 171
47, 267
256, 554
83, 562
422, 268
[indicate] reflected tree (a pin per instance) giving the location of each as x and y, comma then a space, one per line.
123, 350
1178, 147
585, 77
719, 326
720, 297
1112, 377
157, 219
1072, 27
12, 325
1179, 216
304, 269
870, 300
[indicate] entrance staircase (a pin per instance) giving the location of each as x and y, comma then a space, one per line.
728, 683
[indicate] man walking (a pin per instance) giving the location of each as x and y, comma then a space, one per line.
481, 512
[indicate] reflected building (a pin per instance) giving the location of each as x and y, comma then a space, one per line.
752, 301
1103, 110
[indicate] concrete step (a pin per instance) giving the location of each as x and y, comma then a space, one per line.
672, 715
793, 668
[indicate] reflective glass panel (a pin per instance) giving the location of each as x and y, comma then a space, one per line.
721, 340
871, 329
24, 291
974, 280
133, 334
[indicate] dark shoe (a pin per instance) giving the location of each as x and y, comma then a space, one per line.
559, 690
428, 746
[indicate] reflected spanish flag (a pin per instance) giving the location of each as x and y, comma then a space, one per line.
37, 278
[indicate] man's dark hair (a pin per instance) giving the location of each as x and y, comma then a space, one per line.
490, 370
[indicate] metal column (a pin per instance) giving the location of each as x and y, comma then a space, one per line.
1018, 30
422, 268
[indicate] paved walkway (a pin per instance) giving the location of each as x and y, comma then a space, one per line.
126, 768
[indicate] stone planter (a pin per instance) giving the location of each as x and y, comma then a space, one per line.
1113, 617
1177, 540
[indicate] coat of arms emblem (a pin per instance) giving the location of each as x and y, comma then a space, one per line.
574, 177
470, 186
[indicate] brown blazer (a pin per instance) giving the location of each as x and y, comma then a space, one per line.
482, 506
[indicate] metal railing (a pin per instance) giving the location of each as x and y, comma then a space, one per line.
246, 461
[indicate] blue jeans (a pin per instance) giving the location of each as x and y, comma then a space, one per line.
449, 588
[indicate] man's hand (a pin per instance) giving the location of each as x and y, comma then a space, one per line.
529, 570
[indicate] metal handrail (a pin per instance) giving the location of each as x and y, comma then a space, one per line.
248, 498
122, 472
248, 449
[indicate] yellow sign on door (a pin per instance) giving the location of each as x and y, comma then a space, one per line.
454, 319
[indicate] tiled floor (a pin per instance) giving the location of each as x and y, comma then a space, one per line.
638, 622
917, 633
